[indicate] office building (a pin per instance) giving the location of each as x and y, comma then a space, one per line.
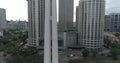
77, 17
66, 8
3, 23
36, 20
77, 25
69, 39
91, 23
107, 23
65, 24
114, 22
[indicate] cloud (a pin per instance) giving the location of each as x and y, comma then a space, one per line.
112, 6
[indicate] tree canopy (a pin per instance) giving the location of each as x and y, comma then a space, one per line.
85, 53
75, 61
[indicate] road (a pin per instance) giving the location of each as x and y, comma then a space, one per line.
65, 56
2, 58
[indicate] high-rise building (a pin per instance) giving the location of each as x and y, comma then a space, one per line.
77, 25
65, 23
107, 23
77, 16
42, 15
36, 20
65, 15
91, 23
3, 22
114, 22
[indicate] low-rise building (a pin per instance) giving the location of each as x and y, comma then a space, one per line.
17, 25
111, 37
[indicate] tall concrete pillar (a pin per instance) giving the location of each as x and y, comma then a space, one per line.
51, 40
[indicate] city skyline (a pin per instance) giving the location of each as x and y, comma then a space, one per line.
17, 9
59, 31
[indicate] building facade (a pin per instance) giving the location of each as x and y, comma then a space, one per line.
17, 25
36, 20
69, 39
65, 24
77, 17
114, 22
65, 15
91, 23
3, 22
77, 25
107, 23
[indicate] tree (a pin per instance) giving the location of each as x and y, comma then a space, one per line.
17, 53
115, 45
75, 61
28, 59
94, 53
85, 53
107, 43
23, 37
117, 34
4, 41
114, 53
15, 59
28, 51
14, 39
26, 55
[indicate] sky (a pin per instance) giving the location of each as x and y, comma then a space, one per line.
17, 9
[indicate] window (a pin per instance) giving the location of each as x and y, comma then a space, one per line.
115, 26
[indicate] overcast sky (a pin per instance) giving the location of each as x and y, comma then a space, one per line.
17, 9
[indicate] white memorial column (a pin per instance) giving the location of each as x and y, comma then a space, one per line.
50, 38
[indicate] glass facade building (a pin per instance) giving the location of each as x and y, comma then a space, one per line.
115, 22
